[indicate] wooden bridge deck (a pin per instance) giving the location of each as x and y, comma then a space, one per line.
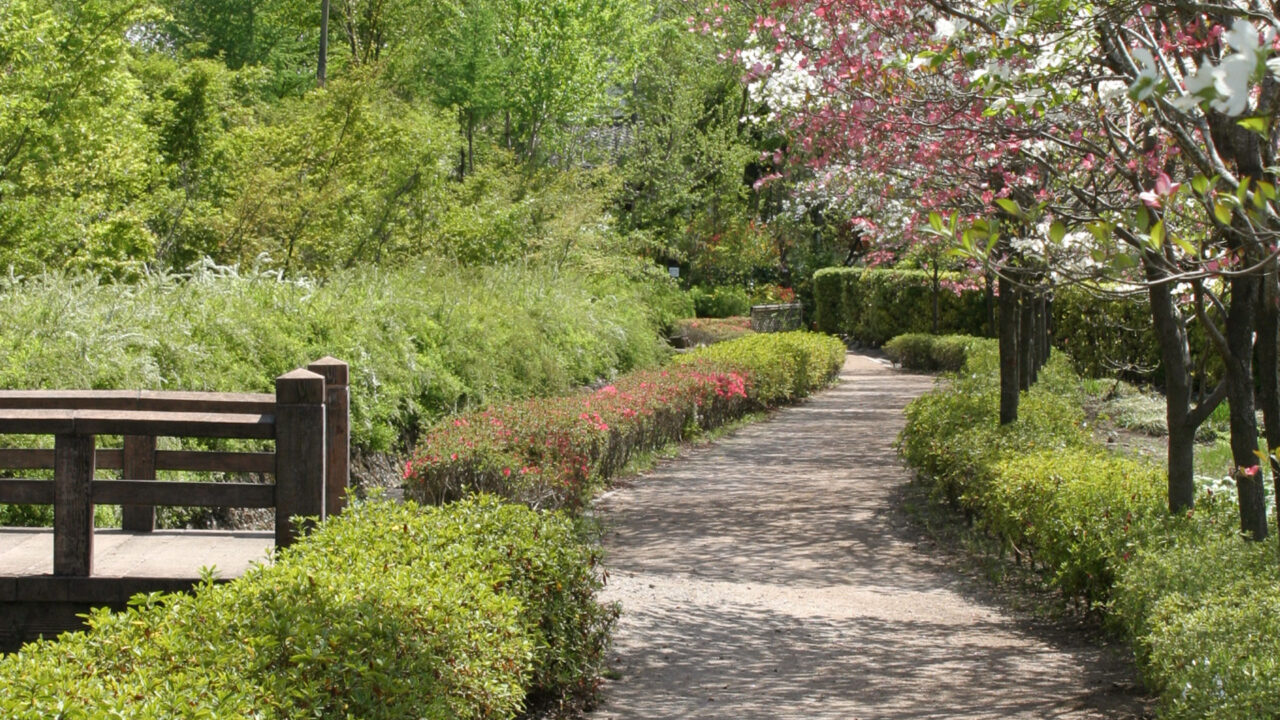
158, 554
34, 602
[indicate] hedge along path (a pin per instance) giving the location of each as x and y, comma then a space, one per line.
770, 575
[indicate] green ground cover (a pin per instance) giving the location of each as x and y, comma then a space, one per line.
1196, 601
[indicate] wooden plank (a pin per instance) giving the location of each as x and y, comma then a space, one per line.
37, 422
300, 452
42, 459
337, 425
126, 422
159, 492
26, 459
207, 402
26, 492
132, 422
73, 505
193, 460
216, 461
139, 463
145, 400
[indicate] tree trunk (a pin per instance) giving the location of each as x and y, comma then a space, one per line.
1244, 420
1268, 368
1042, 311
989, 291
322, 64
1175, 355
936, 289
1008, 352
1026, 341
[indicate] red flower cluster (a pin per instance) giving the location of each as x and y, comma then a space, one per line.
548, 452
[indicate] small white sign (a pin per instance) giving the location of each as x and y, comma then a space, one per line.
674, 270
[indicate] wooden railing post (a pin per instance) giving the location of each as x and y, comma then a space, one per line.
300, 451
337, 425
73, 467
138, 463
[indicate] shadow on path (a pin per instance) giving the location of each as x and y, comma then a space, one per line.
770, 575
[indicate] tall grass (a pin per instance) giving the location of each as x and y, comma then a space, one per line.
422, 341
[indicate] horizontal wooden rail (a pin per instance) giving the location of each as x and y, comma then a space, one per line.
197, 494
26, 492
139, 400
147, 492
190, 460
135, 422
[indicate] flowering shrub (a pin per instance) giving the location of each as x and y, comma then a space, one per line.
552, 452
709, 331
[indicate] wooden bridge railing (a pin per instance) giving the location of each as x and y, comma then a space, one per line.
307, 417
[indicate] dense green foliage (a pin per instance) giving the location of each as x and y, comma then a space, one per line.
874, 305
918, 351
389, 611
1193, 597
556, 452
1104, 335
423, 341
720, 302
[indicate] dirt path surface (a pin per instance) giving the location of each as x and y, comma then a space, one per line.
771, 575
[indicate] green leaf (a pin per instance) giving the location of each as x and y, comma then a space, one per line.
1260, 124
935, 221
1142, 219
1009, 206
1156, 239
1200, 184
1057, 231
1222, 212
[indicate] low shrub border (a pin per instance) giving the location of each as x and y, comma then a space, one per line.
388, 611
554, 452
1199, 604
918, 351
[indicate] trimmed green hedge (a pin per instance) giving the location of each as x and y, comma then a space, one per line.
917, 351
779, 367
1197, 602
388, 611
874, 305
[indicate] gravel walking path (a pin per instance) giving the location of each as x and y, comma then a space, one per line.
771, 575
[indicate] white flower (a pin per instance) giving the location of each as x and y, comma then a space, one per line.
1243, 36
944, 29
1233, 85
1145, 83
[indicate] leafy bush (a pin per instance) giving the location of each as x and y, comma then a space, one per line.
953, 435
720, 302
780, 367
388, 611
918, 351
554, 452
1197, 602
1079, 511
